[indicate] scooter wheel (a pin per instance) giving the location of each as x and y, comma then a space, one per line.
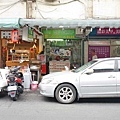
15, 98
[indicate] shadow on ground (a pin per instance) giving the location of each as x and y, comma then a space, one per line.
99, 100
3, 95
48, 99
87, 100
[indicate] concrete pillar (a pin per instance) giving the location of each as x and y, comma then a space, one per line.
90, 9
28, 9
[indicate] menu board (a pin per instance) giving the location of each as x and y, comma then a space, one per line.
57, 66
101, 51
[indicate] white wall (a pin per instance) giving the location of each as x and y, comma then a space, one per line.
100, 8
106, 9
73, 10
12, 9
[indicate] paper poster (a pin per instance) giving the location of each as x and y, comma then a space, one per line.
101, 51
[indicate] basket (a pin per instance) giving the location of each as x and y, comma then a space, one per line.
34, 85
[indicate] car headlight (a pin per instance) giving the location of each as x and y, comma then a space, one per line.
47, 80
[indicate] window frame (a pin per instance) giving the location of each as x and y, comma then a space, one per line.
117, 67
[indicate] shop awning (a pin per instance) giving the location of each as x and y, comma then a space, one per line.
9, 23
71, 23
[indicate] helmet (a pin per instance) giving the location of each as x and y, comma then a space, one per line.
19, 75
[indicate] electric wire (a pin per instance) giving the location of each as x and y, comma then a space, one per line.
8, 4
43, 11
39, 11
47, 11
53, 5
58, 4
9, 7
2, 7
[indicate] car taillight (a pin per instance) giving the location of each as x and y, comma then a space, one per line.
12, 93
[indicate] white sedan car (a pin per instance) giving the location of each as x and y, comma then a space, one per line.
97, 78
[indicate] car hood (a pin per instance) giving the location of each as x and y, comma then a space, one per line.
64, 73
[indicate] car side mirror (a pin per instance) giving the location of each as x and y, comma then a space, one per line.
89, 71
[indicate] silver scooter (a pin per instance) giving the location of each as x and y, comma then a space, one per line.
15, 87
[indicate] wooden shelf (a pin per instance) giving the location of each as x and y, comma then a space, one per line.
16, 63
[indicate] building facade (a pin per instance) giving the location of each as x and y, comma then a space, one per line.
57, 9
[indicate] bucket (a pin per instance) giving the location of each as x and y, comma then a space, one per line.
34, 85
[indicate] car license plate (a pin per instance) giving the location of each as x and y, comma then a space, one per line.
11, 88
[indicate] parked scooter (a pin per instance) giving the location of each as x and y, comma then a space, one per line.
15, 87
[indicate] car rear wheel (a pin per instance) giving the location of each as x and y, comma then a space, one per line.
65, 93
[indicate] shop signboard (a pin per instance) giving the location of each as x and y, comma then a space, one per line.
105, 33
14, 36
59, 33
101, 51
58, 66
108, 31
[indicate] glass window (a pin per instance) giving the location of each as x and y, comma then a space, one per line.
84, 66
104, 66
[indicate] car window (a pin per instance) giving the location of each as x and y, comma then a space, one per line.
104, 66
83, 67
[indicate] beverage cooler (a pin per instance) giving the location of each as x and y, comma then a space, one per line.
44, 64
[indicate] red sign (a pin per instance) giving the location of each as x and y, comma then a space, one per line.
14, 36
108, 31
43, 68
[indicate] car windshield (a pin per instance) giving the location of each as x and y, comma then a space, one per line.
83, 67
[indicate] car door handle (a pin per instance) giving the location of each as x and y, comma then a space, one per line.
111, 76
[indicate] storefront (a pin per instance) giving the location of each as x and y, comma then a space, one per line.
15, 49
20, 52
6, 26
62, 48
105, 42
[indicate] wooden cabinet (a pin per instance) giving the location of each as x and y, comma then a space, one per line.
22, 51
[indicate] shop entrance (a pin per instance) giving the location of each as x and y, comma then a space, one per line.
105, 42
62, 52
103, 49
62, 49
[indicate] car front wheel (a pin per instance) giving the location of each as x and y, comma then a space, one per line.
65, 93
